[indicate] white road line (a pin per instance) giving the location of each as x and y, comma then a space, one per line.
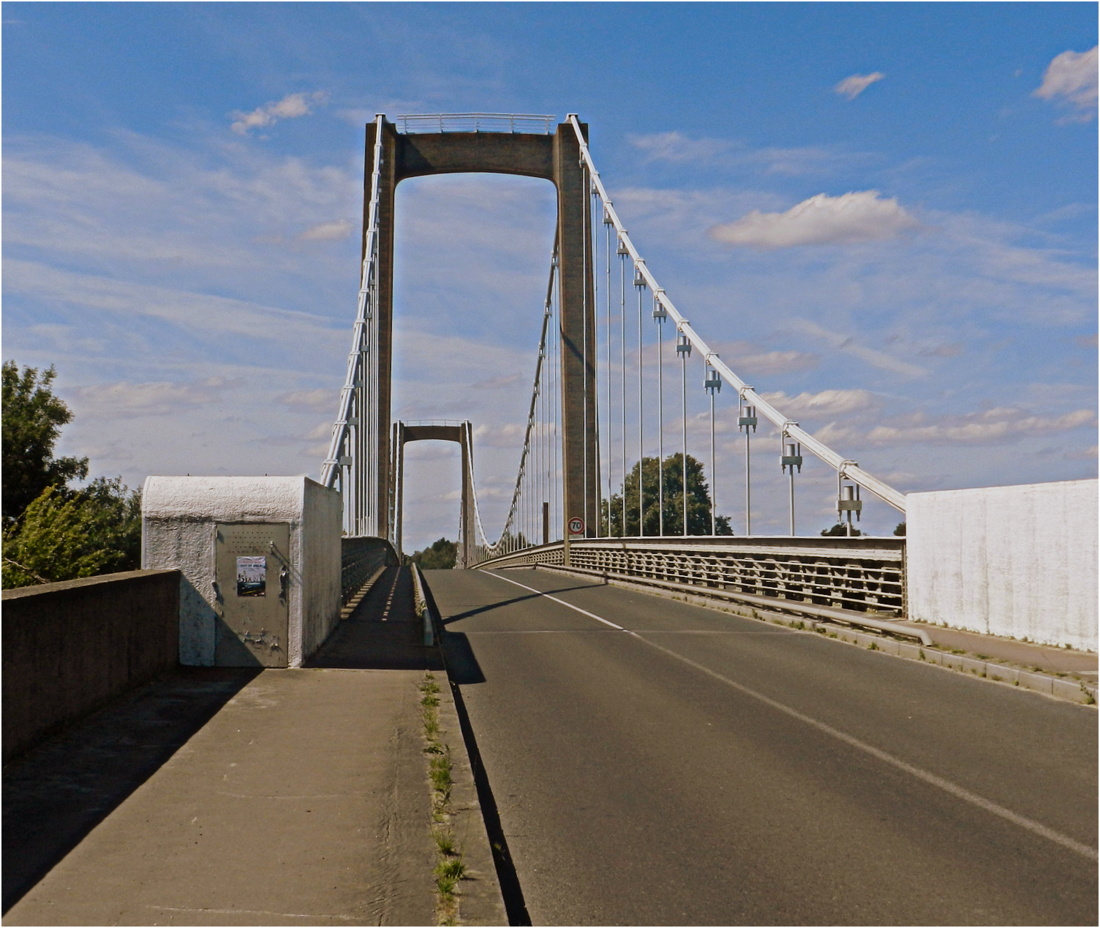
561, 602
947, 786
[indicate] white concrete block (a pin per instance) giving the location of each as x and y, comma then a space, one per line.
179, 516
1017, 561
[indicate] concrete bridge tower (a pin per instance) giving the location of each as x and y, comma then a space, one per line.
460, 432
555, 157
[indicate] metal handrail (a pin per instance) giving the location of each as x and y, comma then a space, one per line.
475, 122
421, 422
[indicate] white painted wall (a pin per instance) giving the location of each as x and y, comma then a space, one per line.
179, 515
320, 558
1019, 561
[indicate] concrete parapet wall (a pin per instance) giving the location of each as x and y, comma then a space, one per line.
321, 552
1018, 561
70, 647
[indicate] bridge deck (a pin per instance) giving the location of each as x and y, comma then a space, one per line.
654, 762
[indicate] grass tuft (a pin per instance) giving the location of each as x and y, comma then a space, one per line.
450, 869
445, 841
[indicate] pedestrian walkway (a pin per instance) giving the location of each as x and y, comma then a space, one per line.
240, 797
1024, 654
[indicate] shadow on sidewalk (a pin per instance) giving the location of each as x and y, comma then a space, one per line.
56, 793
384, 632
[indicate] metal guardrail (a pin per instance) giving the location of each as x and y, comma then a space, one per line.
476, 122
446, 422
420, 604
857, 574
360, 558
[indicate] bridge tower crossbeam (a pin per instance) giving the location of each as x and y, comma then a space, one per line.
460, 432
396, 156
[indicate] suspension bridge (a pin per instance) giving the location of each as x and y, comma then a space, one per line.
638, 760
611, 447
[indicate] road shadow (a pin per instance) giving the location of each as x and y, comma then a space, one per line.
383, 633
509, 602
58, 791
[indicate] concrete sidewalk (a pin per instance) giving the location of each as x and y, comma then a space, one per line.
1010, 651
1060, 672
222, 797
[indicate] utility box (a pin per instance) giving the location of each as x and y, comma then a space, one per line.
259, 560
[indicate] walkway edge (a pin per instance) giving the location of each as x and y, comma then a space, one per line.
481, 901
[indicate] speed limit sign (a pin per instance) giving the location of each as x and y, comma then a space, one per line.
576, 526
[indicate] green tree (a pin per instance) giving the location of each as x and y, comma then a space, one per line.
439, 555
32, 422
65, 534
841, 528
672, 473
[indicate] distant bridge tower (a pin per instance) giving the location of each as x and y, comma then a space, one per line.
552, 156
461, 432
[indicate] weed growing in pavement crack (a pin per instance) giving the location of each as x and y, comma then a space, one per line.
449, 869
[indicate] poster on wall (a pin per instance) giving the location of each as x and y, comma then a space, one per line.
252, 576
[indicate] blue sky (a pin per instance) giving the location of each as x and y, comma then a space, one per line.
882, 215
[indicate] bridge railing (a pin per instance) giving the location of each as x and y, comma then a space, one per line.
361, 557
860, 573
476, 122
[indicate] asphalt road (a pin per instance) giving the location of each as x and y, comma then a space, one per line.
653, 762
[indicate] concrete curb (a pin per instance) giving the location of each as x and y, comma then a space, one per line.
1069, 688
481, 901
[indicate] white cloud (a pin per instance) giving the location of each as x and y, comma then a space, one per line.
849, 345
122, 398
148, 210
989, 426
750, 360
1071, 79
328, 231
677, 148
825, 403
852, 87
862, 216
508, 435
291, 106
308, 400
200, 315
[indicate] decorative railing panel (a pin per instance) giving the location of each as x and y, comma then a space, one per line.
860, 574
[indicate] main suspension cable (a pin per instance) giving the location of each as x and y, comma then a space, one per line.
844, 467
